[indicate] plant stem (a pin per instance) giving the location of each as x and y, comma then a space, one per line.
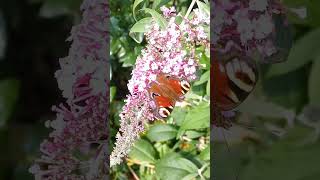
190, 8
140, 163
202, 169
133, 173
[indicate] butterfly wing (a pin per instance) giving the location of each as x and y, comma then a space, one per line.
166, 91
233, 81
164, 104
177, 87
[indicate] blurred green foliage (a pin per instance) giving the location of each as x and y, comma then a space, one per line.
280, 139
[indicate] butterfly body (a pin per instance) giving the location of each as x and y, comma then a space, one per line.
165, 92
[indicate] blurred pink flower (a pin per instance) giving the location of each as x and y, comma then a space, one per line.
250, 26
81, 120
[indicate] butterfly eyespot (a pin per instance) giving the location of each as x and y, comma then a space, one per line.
164, 112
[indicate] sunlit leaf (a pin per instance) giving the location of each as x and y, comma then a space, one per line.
205, 154
197, 118
204, 78
193, 134
113, 91
174, 166
158, 18
142, 151
137, 30
208, 88
191, 176
162, 132
178, 114
205, 8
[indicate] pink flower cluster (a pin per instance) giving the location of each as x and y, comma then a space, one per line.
81, 121
170, 51
248, 26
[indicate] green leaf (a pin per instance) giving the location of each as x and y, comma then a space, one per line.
158, 3
9, 90
137, 30
190, 176
314, 83
204, 57
205, 154
193, 134
128, 59
197, 118
178, 114
162, 132
135, 4
205, 8
113, 91
207, 173
208, 88
303, 51
173, 166
159, 19
204, 78
143, 151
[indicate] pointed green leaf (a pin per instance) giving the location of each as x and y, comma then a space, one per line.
162, 132
204, 78
135, 4
205, 8
197, 118
143, 151
191, 176
137, 30
158, 18
205, 154
173, 166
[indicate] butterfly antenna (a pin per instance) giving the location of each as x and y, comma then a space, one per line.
225, 139
228, 147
